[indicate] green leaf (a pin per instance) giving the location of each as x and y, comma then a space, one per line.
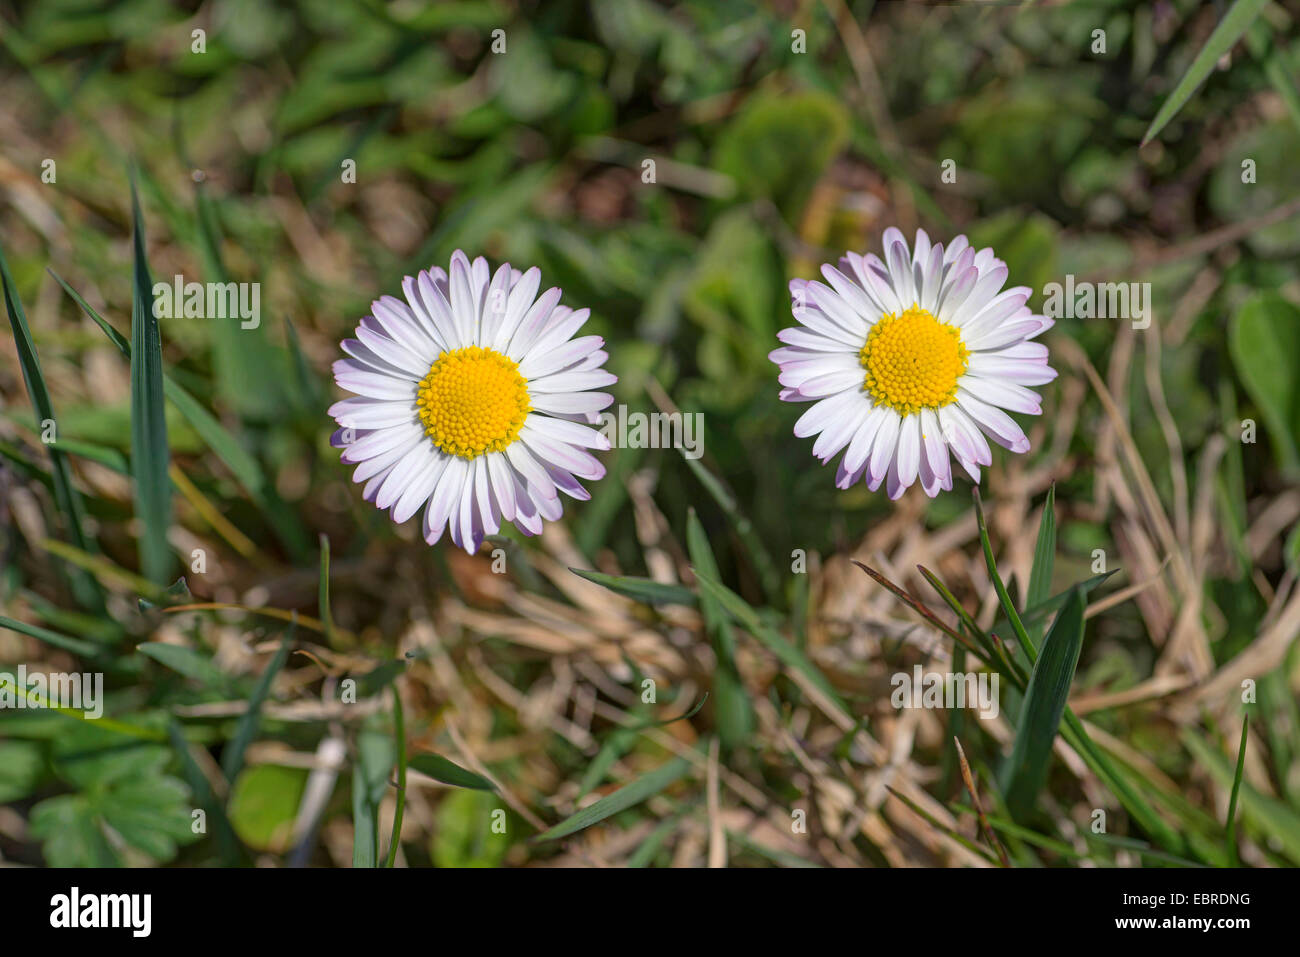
186, 661
779, 144
640, 589
149, 452
1045, 699
1040, 574
87, 590
625, 797
22, 765
1264, 342
440, 769
1227, 33
463, 835
264, 802
373, 682
123, 796
375, 756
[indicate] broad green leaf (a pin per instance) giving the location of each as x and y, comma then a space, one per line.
778, 145
1227, 33
264, 802
1045, 698
463, 835
625, 797
22, 765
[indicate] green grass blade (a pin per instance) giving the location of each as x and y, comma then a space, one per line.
759, 557
1270, 816
225, 446
1236, 789
185, 661
365, 826
1227, 33
227, 843
733, 713
788, 654
323, 598
232, 756
1008, 608
66, 496
52, 638
1040, 574
1049, 687
640, 589
149, 452
399, 740
440, 769
625, 797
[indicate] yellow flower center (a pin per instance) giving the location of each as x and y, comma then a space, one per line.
473, 401
913, 361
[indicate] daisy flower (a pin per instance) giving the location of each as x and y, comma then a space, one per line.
911, 359
472, 401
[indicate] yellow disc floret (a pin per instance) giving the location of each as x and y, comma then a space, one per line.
473, 401
913, 361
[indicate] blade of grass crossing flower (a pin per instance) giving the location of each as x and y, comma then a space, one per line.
1049, 687
149, 452
1040, 574
66, 497
1229, 30
733, 712
232, 757
1236, 789
628, 796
